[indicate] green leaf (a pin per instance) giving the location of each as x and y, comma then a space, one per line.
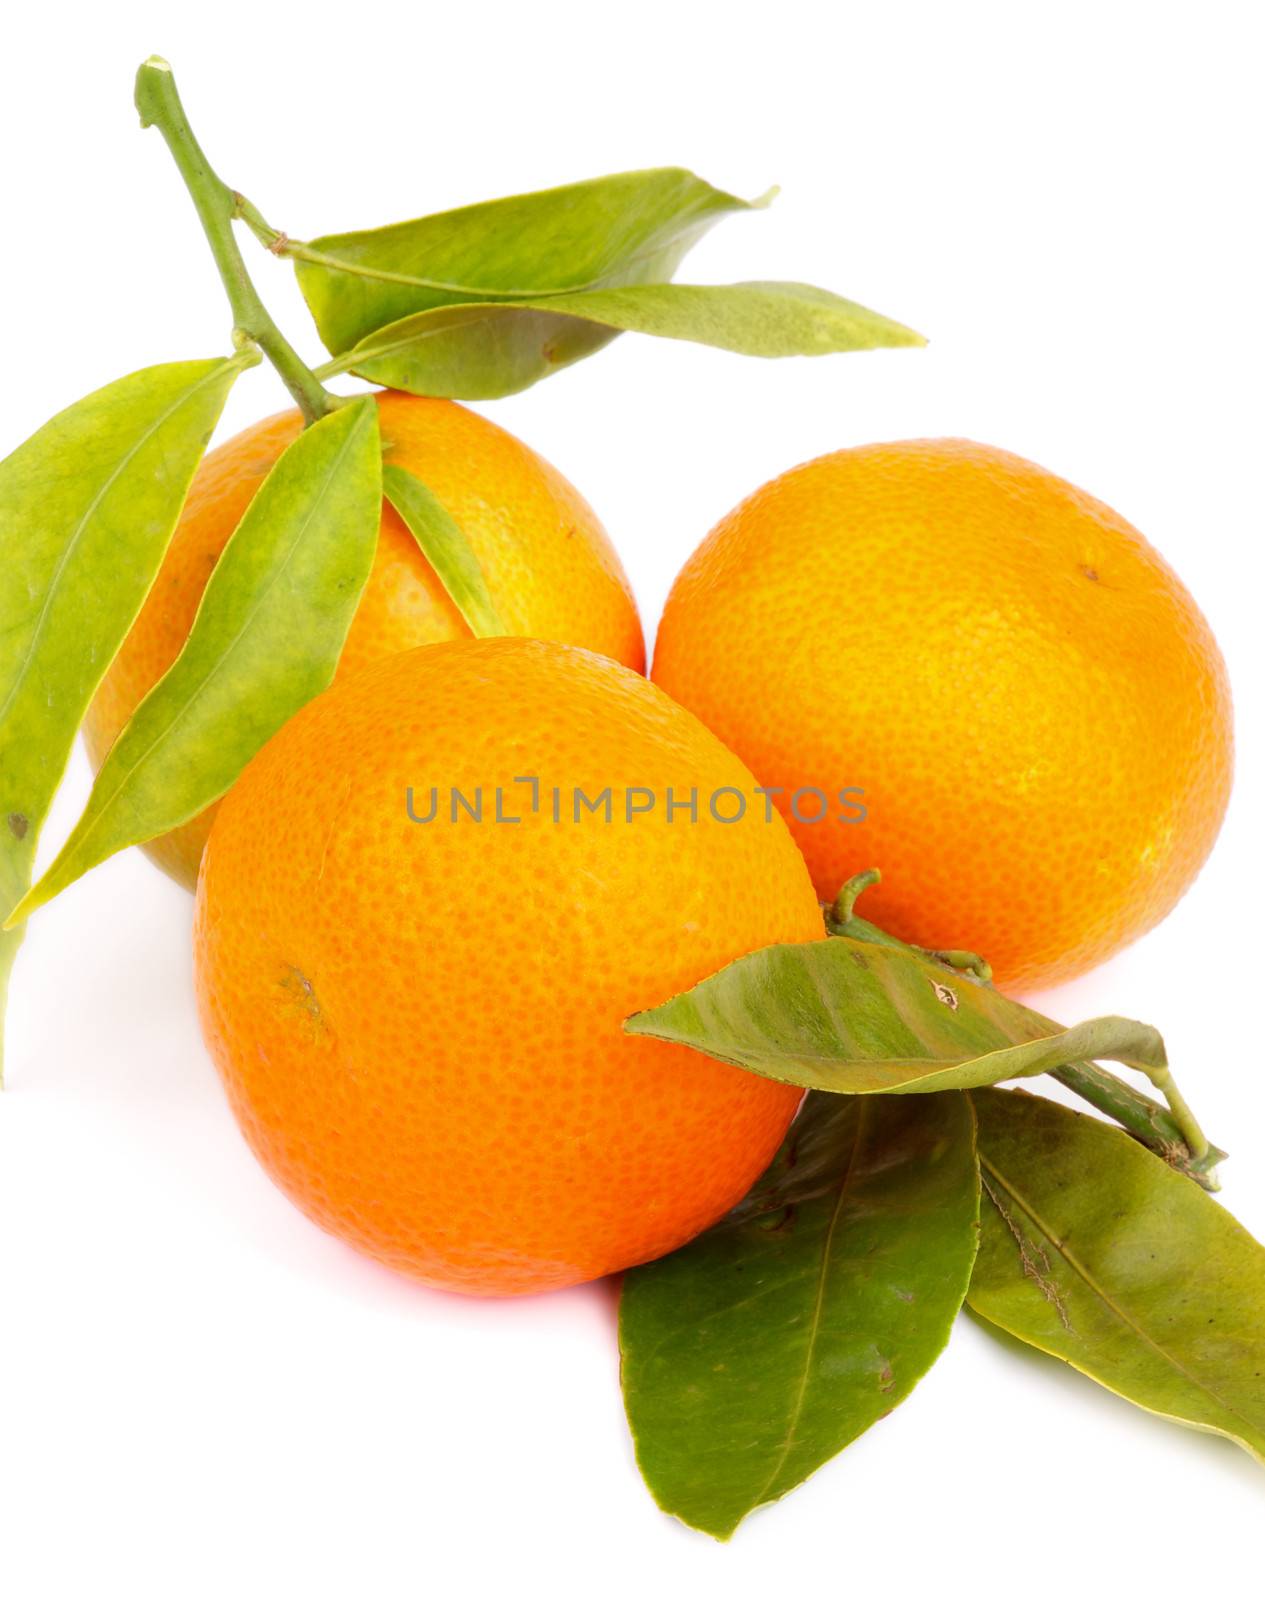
1167, 1130
445, 546
266, 638
480, 352
852, 1017
632, 227
760, 1350
87, 508
1097, 1252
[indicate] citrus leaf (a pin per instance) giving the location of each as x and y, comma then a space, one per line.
445, 546
266, 638
852, 1017
1153, 1124
631, 227
480, 352
1097, 1252
757, 1352
87, 508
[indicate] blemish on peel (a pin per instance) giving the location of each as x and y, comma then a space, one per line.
945, 995
300, 992
19, 822
1090, 572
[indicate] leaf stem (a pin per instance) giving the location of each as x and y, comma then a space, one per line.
840, 914
158, 102
336, 367
1150, 1123
1196, 1139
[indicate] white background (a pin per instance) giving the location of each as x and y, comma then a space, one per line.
203, 1395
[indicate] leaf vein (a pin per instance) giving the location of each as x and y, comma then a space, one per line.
797, 1409
85, 519
1087, 1277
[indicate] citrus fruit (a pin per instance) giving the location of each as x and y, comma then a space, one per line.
417, 1014
1031, 702
550, 569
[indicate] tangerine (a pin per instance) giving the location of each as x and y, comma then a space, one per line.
1034, 708
417, 1011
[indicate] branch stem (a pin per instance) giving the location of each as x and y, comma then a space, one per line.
158, 102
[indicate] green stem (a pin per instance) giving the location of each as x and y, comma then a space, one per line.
1196, 1139
840, 914
1150, 1123
963, 961
159, 105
